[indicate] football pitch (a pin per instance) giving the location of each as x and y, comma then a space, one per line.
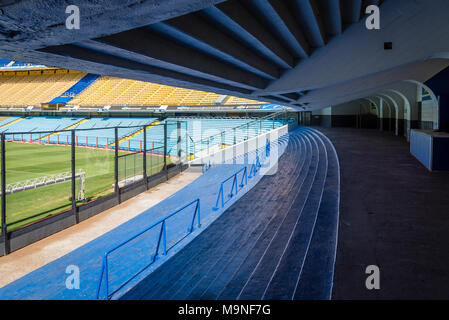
28, 161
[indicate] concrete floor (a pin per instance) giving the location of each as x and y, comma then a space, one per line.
23, 261
393, 214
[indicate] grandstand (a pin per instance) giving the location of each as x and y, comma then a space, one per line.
31, 88
99, 132
124, 92
239, 101
224, 149
162, 140
56, 88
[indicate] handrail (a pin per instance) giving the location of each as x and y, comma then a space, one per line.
234, 185
191, 139
267, 147
162, 237
200, 141
162, 123
162, 240
254, 168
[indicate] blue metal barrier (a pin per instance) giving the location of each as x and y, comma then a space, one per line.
162, 238
254, 168
162, 241
234, 186
267, 148
253, 171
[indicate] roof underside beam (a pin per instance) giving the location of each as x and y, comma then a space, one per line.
235, 47
311, 21
331, 16
86, 54
351, 11
278, 18
163, 52
193, 30
237, 20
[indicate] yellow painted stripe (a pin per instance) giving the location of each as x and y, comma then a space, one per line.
68, 128
7, 124
156, 122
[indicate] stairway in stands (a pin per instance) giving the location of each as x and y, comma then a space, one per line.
76, 89
277, 242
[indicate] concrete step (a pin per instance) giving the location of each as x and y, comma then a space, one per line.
276, 242
262, 274
213, 282
236, 236
284, 281
158, 282
318, 271
237, 283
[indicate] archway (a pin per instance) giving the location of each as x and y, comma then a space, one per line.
428, 110
377, 112
405, 113
391, 122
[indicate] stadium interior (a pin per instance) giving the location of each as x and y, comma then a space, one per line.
224, 149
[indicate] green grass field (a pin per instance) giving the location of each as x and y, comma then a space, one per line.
28, 161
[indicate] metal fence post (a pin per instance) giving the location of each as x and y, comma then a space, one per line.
73, 161
145, 177
116, 188
187, 143
3, 181
234, 149
165, 147
178, 140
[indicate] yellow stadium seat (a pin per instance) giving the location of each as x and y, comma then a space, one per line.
34, 89
124, 92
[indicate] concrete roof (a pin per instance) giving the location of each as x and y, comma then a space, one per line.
307, 54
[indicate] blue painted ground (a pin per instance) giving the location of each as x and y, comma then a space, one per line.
277, 242
48, 282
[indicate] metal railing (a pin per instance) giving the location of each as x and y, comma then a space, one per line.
161, 242
45, 181
206, 143
254, 168
235, 186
